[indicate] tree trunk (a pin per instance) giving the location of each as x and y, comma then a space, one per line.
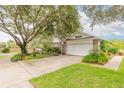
62, 47
24, 50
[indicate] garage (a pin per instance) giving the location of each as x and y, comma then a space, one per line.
79, 47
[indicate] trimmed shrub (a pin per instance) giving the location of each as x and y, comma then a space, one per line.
104, 46
56, 50
113, 50
108, 47
16, 57
34, 54
6, 50
95, 57
51, 50
19, 57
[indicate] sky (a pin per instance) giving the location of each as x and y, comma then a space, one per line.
114, 30
4, 37
111, 31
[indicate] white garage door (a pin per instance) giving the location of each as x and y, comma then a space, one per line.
78, 49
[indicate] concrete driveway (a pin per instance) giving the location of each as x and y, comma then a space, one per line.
16, 75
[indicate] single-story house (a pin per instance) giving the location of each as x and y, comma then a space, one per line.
79, 44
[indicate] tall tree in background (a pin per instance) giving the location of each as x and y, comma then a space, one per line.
24, 23
67, 20
41, 39
103, 14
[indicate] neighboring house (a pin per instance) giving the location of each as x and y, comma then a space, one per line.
80, 44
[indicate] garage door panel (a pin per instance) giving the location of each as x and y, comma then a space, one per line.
78, 49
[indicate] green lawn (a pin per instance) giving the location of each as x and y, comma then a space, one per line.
1, 57
18, 57
81, 76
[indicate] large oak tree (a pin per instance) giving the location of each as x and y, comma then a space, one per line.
24, 23
68, 23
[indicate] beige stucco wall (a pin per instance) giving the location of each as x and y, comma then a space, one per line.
96, 44
78, 41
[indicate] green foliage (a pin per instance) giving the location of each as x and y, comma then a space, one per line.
42, 18
68, 21
19, 57
118, 44
16, 57
100, 14
37, 56
51, 50
55, 50
2, 44
113, 50
104, 46
48, 48
81, 76
109, 47
11, 44
41, 40
96, 57
6, 50
44, 21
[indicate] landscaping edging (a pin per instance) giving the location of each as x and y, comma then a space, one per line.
114, 63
